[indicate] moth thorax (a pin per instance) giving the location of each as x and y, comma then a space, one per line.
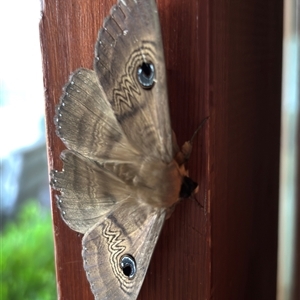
162, 181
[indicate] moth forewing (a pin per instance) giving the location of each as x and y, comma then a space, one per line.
130, 40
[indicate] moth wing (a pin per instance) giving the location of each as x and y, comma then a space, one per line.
86, 123
88, 191
130, 37
129, 230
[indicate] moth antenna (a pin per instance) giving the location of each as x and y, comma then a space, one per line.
197, 130
184, 154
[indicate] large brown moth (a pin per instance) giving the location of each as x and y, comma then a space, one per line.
123, 172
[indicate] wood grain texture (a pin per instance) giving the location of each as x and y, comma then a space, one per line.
246, 81
223, 60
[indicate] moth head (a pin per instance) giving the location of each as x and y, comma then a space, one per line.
128, 266
146, 75
188, 188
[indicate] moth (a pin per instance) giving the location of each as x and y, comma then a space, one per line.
123, 172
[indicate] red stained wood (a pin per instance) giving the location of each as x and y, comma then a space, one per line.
296, 292
223, 60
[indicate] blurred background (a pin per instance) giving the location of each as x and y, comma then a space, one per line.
27, 259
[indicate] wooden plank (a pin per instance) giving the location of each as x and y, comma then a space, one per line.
245, 98
223, 60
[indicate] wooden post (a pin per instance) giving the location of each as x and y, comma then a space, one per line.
223, 60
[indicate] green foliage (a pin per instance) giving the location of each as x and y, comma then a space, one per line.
27, 256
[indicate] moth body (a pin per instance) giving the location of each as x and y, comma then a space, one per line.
161, 182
